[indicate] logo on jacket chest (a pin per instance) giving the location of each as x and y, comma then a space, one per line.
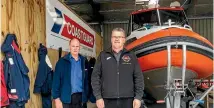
126, 59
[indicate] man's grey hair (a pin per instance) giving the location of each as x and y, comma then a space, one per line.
72, 40
120, 30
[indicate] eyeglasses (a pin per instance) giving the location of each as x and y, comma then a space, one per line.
118, 37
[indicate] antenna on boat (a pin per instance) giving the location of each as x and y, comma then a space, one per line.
184, 3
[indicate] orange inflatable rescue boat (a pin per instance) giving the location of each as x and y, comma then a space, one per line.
163, 41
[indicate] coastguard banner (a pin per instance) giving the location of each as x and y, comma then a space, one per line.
63, 24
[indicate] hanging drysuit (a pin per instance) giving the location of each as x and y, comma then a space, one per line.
86, 69
44, 77
16, 73
4, 96
91, 67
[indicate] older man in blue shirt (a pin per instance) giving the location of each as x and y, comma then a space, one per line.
70, 82
76, 75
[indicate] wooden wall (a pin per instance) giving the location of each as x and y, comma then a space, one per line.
26, 19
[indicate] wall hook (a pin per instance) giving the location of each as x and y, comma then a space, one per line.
51, 46
26, 42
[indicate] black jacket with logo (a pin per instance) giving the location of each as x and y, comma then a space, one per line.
112, 79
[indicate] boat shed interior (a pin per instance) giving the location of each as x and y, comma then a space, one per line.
125, 54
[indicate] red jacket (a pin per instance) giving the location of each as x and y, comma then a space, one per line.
4, 96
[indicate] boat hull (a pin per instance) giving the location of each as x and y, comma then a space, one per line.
199, 51
155, 80
152, 53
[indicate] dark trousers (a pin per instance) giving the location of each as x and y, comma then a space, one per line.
46, 101
14, 104
119, 103
76, 101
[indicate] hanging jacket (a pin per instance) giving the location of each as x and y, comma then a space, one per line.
60, 52
43, 82
4, 95
16, 71
92, 62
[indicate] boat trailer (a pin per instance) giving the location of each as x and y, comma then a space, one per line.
177, 87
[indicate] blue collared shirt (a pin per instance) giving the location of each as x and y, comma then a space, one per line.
76, 75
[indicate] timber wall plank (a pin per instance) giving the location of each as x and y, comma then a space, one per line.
26, 19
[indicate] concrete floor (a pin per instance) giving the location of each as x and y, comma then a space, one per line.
91, 105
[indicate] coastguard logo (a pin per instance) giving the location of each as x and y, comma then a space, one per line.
72, 29
126, 58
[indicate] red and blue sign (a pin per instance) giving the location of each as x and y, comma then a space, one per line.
71, 29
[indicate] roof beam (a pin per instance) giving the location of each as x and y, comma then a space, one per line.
72, 2
114, 1
96, 7
116, 10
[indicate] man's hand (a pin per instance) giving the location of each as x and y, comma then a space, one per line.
58, 103
136, 103
100, 103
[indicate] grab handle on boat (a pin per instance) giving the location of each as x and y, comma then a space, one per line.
188, 27
144, 28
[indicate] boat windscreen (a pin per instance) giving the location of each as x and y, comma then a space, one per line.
148, 18
177, 17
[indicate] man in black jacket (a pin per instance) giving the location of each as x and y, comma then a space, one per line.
117, 79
